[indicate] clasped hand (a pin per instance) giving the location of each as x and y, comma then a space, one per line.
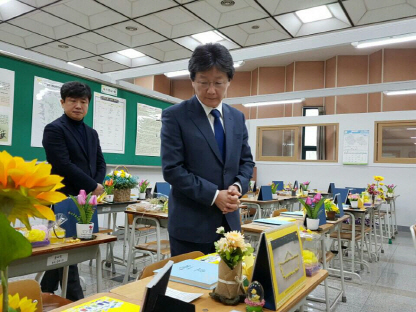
228, 200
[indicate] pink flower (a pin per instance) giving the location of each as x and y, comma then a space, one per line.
83, 194
306, 183
308, 201
317, 197
81, 199
93, 200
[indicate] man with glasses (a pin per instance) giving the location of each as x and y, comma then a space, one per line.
205, 155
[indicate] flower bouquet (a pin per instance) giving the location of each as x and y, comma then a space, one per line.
86, 206
304, 187
123, 183
353, 198
312, 207
373, 191
27, 190
231, 248
390, 189
331, 209
143, 184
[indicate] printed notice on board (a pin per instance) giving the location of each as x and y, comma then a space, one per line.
6, 106
355, 150
110, 122
149, 125
46, 107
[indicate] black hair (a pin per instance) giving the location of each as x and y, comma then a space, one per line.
75, 89
208, 56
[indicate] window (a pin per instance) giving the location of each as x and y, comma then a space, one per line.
395, 142
314, 142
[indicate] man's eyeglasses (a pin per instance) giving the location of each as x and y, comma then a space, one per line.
206, 84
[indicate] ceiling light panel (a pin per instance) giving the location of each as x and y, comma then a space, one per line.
314, 14
130, 53
208, 37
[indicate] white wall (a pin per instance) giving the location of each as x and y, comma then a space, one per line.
321, 174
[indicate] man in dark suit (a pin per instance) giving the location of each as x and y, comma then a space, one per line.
205, 155
73, 149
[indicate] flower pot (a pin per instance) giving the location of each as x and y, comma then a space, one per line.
85, 230
354, 203
312, 224
229, 285
122, 195
109, 198
142, 195
330, 215
390, 195
305, 193
293, 193
274, 196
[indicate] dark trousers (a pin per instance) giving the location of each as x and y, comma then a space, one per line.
51, 279
179, 247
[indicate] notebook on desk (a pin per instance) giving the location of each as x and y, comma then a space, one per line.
274, 221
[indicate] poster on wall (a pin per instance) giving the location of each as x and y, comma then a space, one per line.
355, 151
46, 107
149, 125
110, 122
6, 106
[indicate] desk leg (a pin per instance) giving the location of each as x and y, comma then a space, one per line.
65, 281
341, 263
323, 247
130, 251
158, 239
389, 221
394, 220
98, 269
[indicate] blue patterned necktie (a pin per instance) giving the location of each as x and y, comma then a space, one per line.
219, 132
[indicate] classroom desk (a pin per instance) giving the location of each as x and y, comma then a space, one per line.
205, 303
257, 229
96, 296
62, 255
391, 217
160, 219
261, 206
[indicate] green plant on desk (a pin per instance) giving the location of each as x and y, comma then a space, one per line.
313, 205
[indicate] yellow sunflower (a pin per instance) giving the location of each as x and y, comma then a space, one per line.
24, 304
27, 189
378, 178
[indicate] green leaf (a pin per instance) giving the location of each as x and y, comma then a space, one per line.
15, 243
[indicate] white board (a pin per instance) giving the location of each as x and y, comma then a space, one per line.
6, 106
149, 125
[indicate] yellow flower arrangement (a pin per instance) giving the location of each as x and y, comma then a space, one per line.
22, 305
378, 178
27, 190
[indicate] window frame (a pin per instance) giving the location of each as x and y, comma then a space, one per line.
294, 158
378, 138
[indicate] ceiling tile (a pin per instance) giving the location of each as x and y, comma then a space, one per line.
47, 25
93, 37
177, 55
69, 54
290, 22
152, 51
174, 23
98, 63
321, 26
94, 43
85, 13
276, 7
109, 46
12, 9
141, 36
23, 38
110, 67
77, 54
369, 11
137, 8
244, 34
38, 3
220, 16
12, 39
83, 44
47, 50
141, 61
138, 61
167, 46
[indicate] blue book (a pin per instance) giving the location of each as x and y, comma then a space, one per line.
292, 213
195, 273
273, 221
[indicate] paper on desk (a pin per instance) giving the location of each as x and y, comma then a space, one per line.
181, 295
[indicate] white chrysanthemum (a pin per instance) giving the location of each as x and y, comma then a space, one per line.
220, 230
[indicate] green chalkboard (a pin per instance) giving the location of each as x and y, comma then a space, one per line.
22, 113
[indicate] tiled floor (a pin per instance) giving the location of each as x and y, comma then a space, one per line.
390, 286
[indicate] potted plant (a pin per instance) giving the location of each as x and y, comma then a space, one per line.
143, 184
331, 209
109, 190
312, 207
123, 183
379, 185
86, 206
274, 190
231, 248
353, 198
26, 189
304, 187
390, 189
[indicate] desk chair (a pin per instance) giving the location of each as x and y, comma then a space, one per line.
149, 270
276, 213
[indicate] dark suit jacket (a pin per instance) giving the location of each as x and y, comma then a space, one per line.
82, 169
192, 164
